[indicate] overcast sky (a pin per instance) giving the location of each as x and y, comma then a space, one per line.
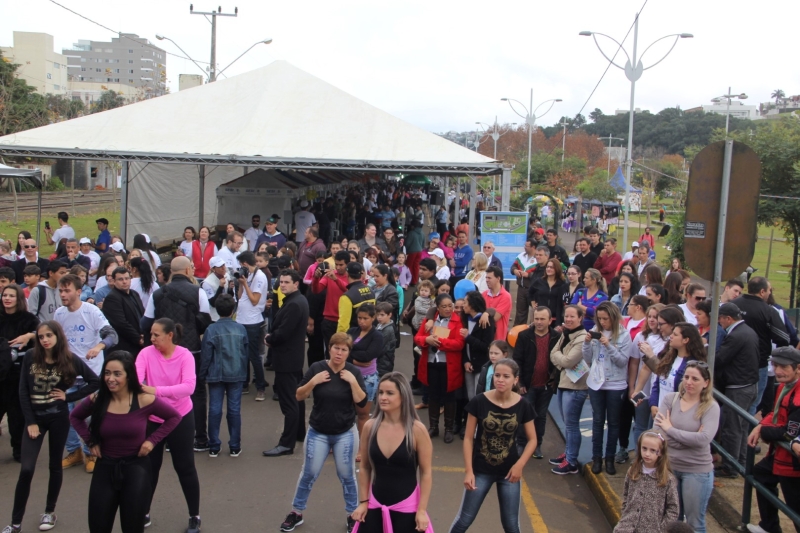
444, 65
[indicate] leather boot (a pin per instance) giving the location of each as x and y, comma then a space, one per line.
610, 468
449, 420
433, 417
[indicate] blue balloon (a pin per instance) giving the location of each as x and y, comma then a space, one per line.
463, 287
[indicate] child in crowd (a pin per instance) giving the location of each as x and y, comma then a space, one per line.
5, 251
163, 274
404, 274
442, 287
497, 350
32, 274
223, 366
650, 497
319, 257
423, 302
262, 263
386, 327
7, 277
87, 294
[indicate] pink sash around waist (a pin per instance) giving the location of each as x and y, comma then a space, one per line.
409, 505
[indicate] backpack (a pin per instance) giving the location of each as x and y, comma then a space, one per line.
42, 298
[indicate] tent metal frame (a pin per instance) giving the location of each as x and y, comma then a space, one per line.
35, 178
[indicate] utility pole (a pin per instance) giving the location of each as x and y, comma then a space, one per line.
212, 73
563, 141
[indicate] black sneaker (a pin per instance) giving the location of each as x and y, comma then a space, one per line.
236, 452
537, 453
213, 453
194, 525
292, 521
200, 447
558, 460
246, 390
565, 468
147, 521
351, 523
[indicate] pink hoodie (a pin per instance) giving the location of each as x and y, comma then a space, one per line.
173, 378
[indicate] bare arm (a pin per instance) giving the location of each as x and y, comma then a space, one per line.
424, 460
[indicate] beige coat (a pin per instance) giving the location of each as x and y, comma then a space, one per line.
570, 356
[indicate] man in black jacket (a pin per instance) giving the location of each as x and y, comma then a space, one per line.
556, 250
186, 304
586, 257
287, 341
30, 249
532, 354
767, 324
736, 376
74, 257
123, 309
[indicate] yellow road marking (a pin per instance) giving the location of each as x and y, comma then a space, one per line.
527, 499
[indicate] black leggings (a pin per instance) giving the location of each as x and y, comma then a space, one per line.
181, 447
437, 384
119, 483
58, 426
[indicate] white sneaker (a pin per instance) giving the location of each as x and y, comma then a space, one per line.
48, 522
755, 528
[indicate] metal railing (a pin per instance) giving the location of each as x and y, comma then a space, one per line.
750, 482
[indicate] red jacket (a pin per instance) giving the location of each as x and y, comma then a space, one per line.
335, 290
785, 428
648, 239
607, 265
452, 346
200, 260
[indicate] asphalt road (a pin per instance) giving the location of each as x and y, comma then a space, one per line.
254, 493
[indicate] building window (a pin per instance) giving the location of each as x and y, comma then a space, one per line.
116, 71
109, 51
57, 87
49, 76
83, 60
116, 80
130, 71
130, 51
97, 70
83, 69
130, 61
130, 81
56, 65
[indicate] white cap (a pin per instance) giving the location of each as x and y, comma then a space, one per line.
438, 253
84, 240
146, 238
117, 247
216, 262
304, 203
635, 244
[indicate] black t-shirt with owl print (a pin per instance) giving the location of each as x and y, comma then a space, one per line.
494, 450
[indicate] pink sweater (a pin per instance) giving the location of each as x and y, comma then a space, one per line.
173, 378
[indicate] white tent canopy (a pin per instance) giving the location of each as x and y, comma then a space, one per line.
277, 117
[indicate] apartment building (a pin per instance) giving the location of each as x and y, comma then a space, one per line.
39, 65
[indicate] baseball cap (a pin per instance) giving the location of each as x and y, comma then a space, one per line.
438, 253
635, 244
216, 262
434, 235
785, 355
84, 240
271, 220
118, 247
275, 216
355, 270
540, 231
101, 221
731, 310
304, 203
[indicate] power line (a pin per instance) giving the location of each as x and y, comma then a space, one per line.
659, 172
120, 34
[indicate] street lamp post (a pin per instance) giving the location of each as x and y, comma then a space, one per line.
633, 71
495, 135
530, 119
610, 138
264, 41
728, 97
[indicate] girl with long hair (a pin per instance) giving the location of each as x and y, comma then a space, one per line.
367, 347
652, 275
592, 295
628, 288
651, 491
48, 370
168, 371
142, 279
625, 266
648, 338
203, 249
22, 236
606, 349
548, 290
655, 293
189, 235
18, 327
142, 242
119, 437
573, 283
478, 273
672, 284
685, 344
690, 418
496, 419
397, 445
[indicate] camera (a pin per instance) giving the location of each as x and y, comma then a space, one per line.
15, 352
595, 335
323, 267
241, 273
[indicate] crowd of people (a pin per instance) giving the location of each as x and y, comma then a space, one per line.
120, 358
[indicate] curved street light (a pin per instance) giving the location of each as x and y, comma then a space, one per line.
265, 41
163, 38
728, 97
633, 71
530, 117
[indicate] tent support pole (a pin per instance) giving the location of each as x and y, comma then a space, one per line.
473, 201
506, 191
39, 214
202, 200
123, 202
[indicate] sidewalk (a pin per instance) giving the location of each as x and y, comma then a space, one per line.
724, 508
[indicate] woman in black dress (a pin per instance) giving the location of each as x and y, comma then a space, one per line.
397, 444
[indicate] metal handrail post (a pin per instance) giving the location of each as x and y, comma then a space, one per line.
747, 497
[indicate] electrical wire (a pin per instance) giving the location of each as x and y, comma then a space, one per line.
120, 34
659, 172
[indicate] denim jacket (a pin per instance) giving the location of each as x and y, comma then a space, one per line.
615, 362
224, 352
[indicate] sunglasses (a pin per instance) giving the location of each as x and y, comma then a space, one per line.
699, 364
699, 298
29, 247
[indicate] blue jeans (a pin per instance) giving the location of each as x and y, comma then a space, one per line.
570, 405
642, 421
606, 408
316, 448
73, 440
216, 393
763, 375
694, 491
254, 340
371, 382
508, 494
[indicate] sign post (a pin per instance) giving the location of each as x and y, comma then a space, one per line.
508, 231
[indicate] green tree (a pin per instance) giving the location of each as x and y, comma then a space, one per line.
597, 187
108, 100
595, 115
64, 108
21, 108
777, 94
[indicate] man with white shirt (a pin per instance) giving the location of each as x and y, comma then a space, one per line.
229, 252
252, 301
695, 293
634, 250
303, 220
94, 260
253, 233
215, 284
88, 334
65, 231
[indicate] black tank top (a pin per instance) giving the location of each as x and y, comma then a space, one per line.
395, 476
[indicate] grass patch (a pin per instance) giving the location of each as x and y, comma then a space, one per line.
83, 225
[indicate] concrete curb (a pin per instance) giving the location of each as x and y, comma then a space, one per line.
724, 512
609, 501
